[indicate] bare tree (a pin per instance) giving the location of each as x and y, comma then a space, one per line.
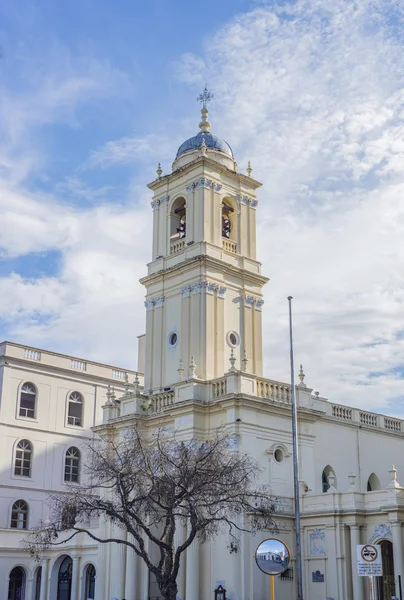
150, 485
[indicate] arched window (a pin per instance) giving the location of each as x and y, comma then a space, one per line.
328, 479
227, 224
72, 464
65, 579
19, 515
38, 577
90, 582
75, 410
28, 400
178, 224
23, 459
16, 584
373, 483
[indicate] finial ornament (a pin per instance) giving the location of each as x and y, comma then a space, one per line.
249, 169
192, 368
205, 97
136, 384
393, 476
232, 361
204, 148
159, 170
109, 395
302, 376
180, 371
126, 385
244, 362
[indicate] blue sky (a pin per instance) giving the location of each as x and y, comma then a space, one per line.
92, 97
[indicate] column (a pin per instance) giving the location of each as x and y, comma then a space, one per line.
75, 578
44, 579
118, 560
145, 576
179, 540
398, 553
257, 343
130, 575
192, 572
357, 582
156, 214
29, 582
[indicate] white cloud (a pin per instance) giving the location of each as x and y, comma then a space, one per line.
311, 92
132, 149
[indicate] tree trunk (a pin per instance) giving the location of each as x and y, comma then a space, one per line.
169, 591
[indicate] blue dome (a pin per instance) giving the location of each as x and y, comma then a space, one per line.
211, 141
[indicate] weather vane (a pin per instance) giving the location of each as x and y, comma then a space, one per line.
205, 97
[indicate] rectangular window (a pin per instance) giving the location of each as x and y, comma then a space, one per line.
74, 417
27, 405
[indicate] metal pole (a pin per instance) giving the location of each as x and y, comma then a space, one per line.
272, 587
295, 462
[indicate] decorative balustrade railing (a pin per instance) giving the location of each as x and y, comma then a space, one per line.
161, 401
342, 412
177, 246
279, 392
392, 424
219, 388
229, 246
368, 419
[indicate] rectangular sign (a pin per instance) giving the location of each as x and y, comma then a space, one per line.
369, 560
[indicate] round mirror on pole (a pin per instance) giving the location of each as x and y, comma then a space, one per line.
272, 557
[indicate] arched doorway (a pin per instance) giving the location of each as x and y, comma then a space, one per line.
65, 579
385, 586
16, 585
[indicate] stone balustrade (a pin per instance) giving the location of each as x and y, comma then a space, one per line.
229, 245
364, 418
274, 390
248, 385
177, 246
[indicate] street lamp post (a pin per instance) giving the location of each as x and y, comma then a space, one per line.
295, 462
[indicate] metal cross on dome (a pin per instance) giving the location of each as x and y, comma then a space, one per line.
205, 97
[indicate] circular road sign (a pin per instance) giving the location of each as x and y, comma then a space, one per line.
369, 553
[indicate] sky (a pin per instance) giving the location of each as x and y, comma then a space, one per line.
93, 94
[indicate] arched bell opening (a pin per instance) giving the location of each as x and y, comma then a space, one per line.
229, 225
178, 220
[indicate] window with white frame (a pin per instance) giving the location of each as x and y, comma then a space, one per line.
28, 401
75, 409
72, 465
19, 515
23, 459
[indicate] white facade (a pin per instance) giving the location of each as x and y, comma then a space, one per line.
41, 418
203, 368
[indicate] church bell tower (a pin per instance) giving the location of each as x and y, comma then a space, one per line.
204, 284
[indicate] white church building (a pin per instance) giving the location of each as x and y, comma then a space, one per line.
203, 367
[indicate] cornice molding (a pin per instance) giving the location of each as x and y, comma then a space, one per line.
188, 264
219, 168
